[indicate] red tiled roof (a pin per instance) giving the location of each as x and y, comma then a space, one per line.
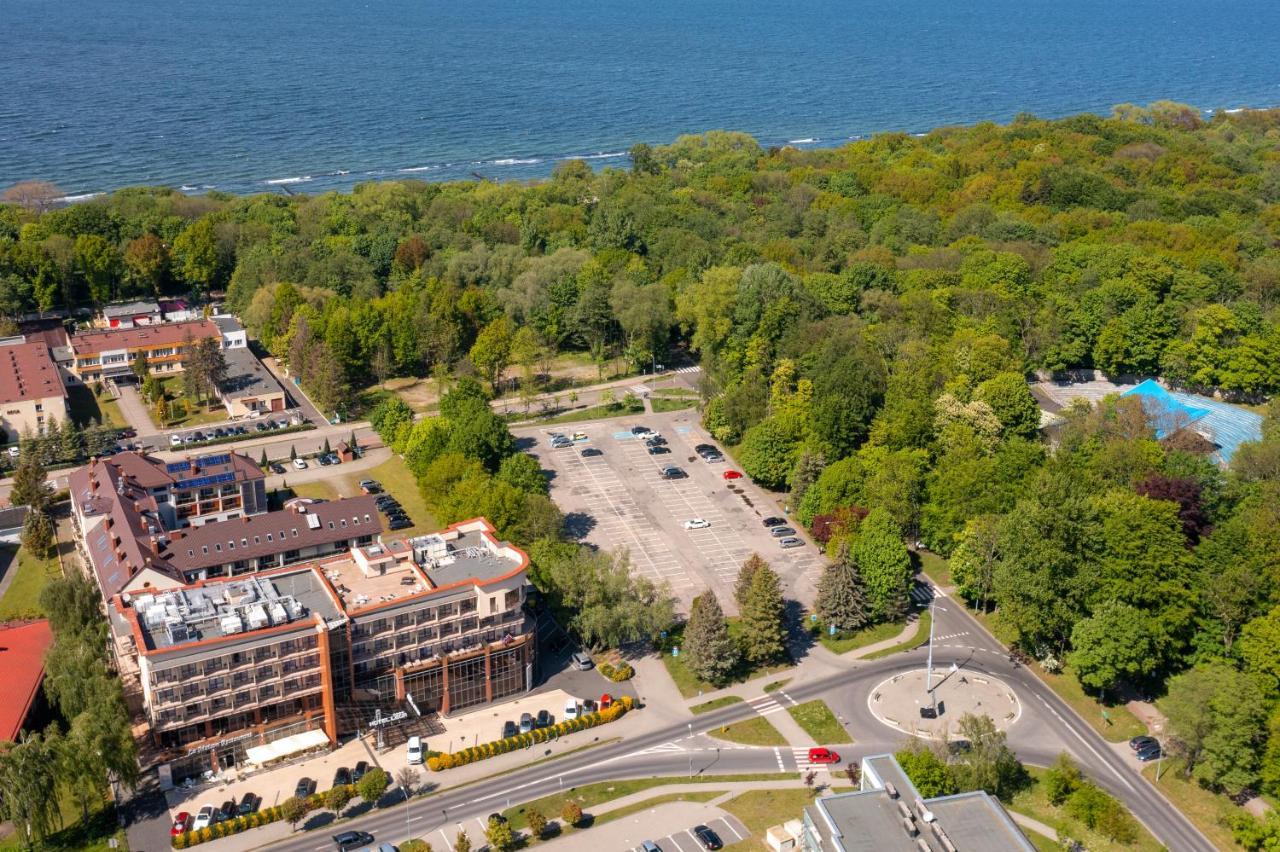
27, 371
165, 334
22, 648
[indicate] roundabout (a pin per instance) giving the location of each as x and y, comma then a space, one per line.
930, 707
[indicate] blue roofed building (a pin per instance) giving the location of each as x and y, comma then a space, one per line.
1224, 425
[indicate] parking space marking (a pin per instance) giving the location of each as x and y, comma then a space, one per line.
445, 838
729, 825
672, 838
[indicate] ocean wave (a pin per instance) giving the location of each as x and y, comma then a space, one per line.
419, 169
288, 180
84, 196
602, 155
808, 140
511, 161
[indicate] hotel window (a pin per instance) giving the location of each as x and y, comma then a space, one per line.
343, 522
268, 537
258, 539
330, 525
244, 542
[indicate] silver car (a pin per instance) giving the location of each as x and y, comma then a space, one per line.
790, 541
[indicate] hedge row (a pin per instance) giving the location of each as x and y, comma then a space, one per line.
539, 735
228, 828
618, 673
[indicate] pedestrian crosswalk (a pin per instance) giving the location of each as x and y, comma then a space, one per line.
801, 756
951, 636
694, 369
924, 593
639, 390
765, 704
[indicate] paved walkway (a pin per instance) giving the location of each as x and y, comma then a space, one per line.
300, 398
135, 411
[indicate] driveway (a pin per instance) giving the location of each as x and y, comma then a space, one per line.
135, 410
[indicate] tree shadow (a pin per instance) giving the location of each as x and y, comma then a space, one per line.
526, 443
799, 639
578, 525
319, 820
360, 808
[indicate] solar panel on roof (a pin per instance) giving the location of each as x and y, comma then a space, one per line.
202, 481
225, 458
177, 467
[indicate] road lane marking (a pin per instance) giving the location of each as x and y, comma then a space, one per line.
1086, 744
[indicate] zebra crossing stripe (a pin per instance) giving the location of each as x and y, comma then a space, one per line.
777, 752
693, 369
764, 705
789, 698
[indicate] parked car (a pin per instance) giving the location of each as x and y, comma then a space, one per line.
589, 452
731, 474
526, 723
371, 486
276, 467
341, 777
508, 729
324, 461
226, 812
260, 426
708, 838
545, 719
780, 532
352, 839
199, 436
571, 709
606, 701
641, 431
128, 433
581, 436
582, 661
204, 817
304, 788
656, 450
359, 771
382, 501
248, 804
402, 523
823, 755
774, 522
789, 542
333, 458
181, 824
672, 472
703, 449
300, 464
696, 524
650, 846
655, 441
1148, 754
174, 441
713, 458
413, 751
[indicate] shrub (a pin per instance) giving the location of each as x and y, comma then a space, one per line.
180, 842
435, 764
571, 814
537, 823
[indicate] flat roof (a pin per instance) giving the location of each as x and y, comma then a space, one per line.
163, 334
246, 376
27, 372
390, 579
227, 323
128, 308
464, 552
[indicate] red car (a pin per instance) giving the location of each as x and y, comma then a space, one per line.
606, 701
823, 755
731, 474
181, 824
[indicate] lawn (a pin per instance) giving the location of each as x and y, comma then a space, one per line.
321, 489
867, 636
1119, 726
819, 722
595, 412
921, 635
777, 685
22, 598
662, 405
74, 837
689, 684
715, 704
676, 392
83, 407
1205, 809
756, 731
1032, 802
934, 566
760, 809
396, 480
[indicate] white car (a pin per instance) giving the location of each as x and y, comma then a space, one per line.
696, 524
204, 819
414, 750
13, 451
571, 709
300, 464
175, 440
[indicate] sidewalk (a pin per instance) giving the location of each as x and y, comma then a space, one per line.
135, 410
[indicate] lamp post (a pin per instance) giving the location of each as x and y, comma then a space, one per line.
928, 674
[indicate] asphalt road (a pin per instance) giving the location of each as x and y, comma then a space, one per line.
1046, 727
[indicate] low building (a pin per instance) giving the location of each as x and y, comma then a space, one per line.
233, 334
179, 310
109, 353
22, 650
227, 666
32, 393
249, 386
130, 315
888, 815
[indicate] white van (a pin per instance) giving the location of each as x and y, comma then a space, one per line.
414, 752
571, 709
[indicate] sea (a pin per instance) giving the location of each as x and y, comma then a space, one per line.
289, 96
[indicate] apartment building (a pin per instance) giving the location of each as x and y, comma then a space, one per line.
304, 655
32, 393
109, 353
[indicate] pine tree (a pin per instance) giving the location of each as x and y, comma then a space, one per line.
37, 533
262, 462
745, 575
764, 634
327, 448
842, 595
29, 486
885, 565
709, 651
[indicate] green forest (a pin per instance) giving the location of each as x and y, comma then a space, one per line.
866, 318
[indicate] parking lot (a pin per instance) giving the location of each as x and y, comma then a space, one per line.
619, 499
729, 829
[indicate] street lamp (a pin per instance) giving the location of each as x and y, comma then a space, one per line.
928, 674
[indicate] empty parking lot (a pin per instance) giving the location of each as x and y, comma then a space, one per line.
618, 499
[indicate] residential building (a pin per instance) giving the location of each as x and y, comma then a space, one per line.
888, 815
249, 387
229, 665
31, 390
129, 315
109, 353
233, 334
22, 650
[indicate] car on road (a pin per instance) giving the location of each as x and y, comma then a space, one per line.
823, 755
780, 532
650, 846
181, 824
304, 788
696, 524
657, 450
249, 803
300, 464
773, 522
341, 776
508, 730
276, 467
588, 452
672, 472
582, 661
1148, 754
204, 817
570, 709
1139, 743
731, 474
413, 751
174, 441
544, 719
790, 541
708, 838
360, 770
526, 723
352, 839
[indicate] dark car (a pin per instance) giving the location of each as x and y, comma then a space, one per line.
781, 532
544, 719
361, 769
219, 432
276, 467
773, 522
352, 839
588, 706
240, 430
305, 788
703, 449
248, 804
640, 430
198, 436
342, 777
324, 461
659, 451
672, 473
226, 812
402, 523
656, 441
708, 838
1139, 743
588, 452
127, 433
1150, 753
260, 426
509, 729
384, 500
